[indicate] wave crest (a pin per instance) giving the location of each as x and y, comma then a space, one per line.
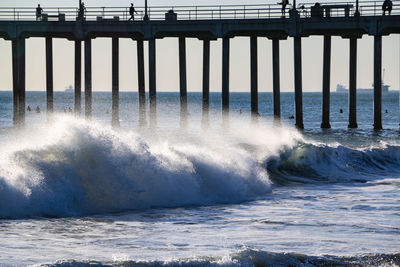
78, 168
311, 163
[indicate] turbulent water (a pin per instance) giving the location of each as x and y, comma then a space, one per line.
79, 193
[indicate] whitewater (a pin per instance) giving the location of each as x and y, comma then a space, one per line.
81, 193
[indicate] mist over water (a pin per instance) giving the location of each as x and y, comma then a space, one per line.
81, 193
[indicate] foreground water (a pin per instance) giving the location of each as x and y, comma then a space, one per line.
77, 193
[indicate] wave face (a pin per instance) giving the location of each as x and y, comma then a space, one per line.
312, 163
252, 258
75, 168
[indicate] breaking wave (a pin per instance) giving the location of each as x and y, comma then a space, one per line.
75, 168
313, 163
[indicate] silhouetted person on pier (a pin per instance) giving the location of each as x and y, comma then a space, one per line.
317, 11
37, 109
390, 6
82, 10
39, 12
341, 111
387, 6
131, 12
284, 3
29, 108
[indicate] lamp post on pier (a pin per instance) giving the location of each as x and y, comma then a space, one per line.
146, 16
357, 13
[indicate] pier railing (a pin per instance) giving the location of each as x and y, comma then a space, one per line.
202, 12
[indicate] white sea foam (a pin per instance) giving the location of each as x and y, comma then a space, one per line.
74, 167
250, 258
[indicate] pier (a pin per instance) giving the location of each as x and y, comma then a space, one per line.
206, 23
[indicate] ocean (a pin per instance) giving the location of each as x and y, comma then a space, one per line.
81, 193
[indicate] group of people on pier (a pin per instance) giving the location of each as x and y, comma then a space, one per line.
386, 6
82, 11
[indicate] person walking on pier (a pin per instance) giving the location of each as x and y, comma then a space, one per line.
131, 12
39, 12
284, 3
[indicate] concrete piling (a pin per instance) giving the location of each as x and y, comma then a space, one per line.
276, 79
15, 81
353, 84
141, 84
152, 83
225, 80
298, 90
78, 77
206, 84
377, 82
49, 76
88, 78
326, 81
182, 81
254, 77
115, 82
18, 60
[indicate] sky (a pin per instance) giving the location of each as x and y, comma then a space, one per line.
167, 58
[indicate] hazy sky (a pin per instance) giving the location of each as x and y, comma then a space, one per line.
167, 58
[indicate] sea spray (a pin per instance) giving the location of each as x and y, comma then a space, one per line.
74, 167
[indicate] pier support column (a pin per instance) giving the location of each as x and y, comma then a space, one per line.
225, 80
18, 61
353, 84
78, 77
206, 84
298, 87
15, 81
141, 84
276, 79
152, 83
115, 82
49, 76
377, 82
88, 79
326, 81
182, 81
254, 77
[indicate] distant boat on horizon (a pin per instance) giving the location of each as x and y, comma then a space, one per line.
69, 89
342, 89
385, 88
